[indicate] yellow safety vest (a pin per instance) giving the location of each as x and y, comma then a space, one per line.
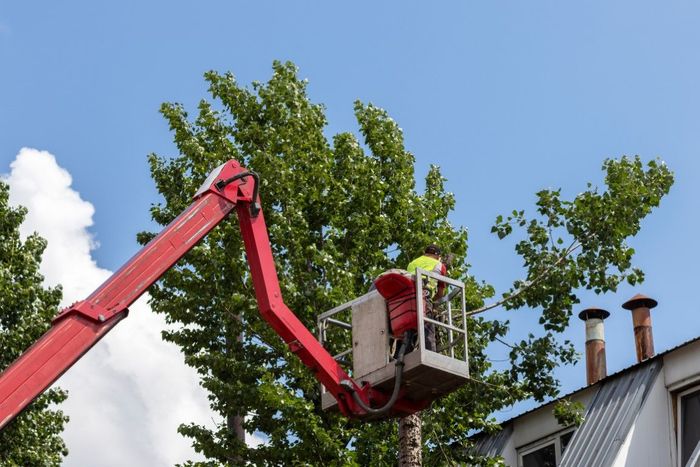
426, 263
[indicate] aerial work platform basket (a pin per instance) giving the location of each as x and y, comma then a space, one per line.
363, 336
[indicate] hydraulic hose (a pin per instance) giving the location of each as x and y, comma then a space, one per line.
407, 337
254, 206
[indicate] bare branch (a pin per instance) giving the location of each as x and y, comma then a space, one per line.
505, 343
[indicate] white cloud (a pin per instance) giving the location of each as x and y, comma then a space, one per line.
132, 390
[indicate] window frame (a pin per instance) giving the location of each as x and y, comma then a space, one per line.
554, 438
679, 420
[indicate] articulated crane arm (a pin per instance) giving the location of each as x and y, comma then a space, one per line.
77, 328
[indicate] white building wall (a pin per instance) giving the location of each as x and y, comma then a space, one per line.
682, 367
541, 423
536, 425
681, 372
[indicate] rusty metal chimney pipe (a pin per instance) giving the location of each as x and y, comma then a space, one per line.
640, 305
596, 366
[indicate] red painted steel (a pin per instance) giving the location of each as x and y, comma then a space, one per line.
399, 291
46, 360
76, 329
300, 341
283, 321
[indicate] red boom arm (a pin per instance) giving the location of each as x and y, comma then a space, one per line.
77, 328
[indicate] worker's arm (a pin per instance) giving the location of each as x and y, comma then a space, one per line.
441, 269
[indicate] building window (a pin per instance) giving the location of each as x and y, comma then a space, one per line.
544, 456
545, 452
688, 423
564, 440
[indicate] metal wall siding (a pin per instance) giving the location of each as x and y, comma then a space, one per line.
609, 418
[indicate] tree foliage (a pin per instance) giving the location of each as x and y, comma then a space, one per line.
26, 310
569, 412
339, 212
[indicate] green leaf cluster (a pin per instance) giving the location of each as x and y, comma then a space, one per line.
573, 245
340, 210
339, 213
26, 310
569, 413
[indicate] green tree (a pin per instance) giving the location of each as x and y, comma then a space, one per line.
26, 310
340, 212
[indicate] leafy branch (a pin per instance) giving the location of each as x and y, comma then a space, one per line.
529, 284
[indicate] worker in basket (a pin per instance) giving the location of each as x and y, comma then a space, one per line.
433, 290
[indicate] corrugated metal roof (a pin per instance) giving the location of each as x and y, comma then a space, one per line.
609, 417
492, 445
612, 376
487, 445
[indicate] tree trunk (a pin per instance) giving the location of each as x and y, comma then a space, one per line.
410, 441
235, 425
235, 422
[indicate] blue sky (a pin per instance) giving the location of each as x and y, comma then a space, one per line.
507, 97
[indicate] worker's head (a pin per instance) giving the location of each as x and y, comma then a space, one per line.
433, 250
